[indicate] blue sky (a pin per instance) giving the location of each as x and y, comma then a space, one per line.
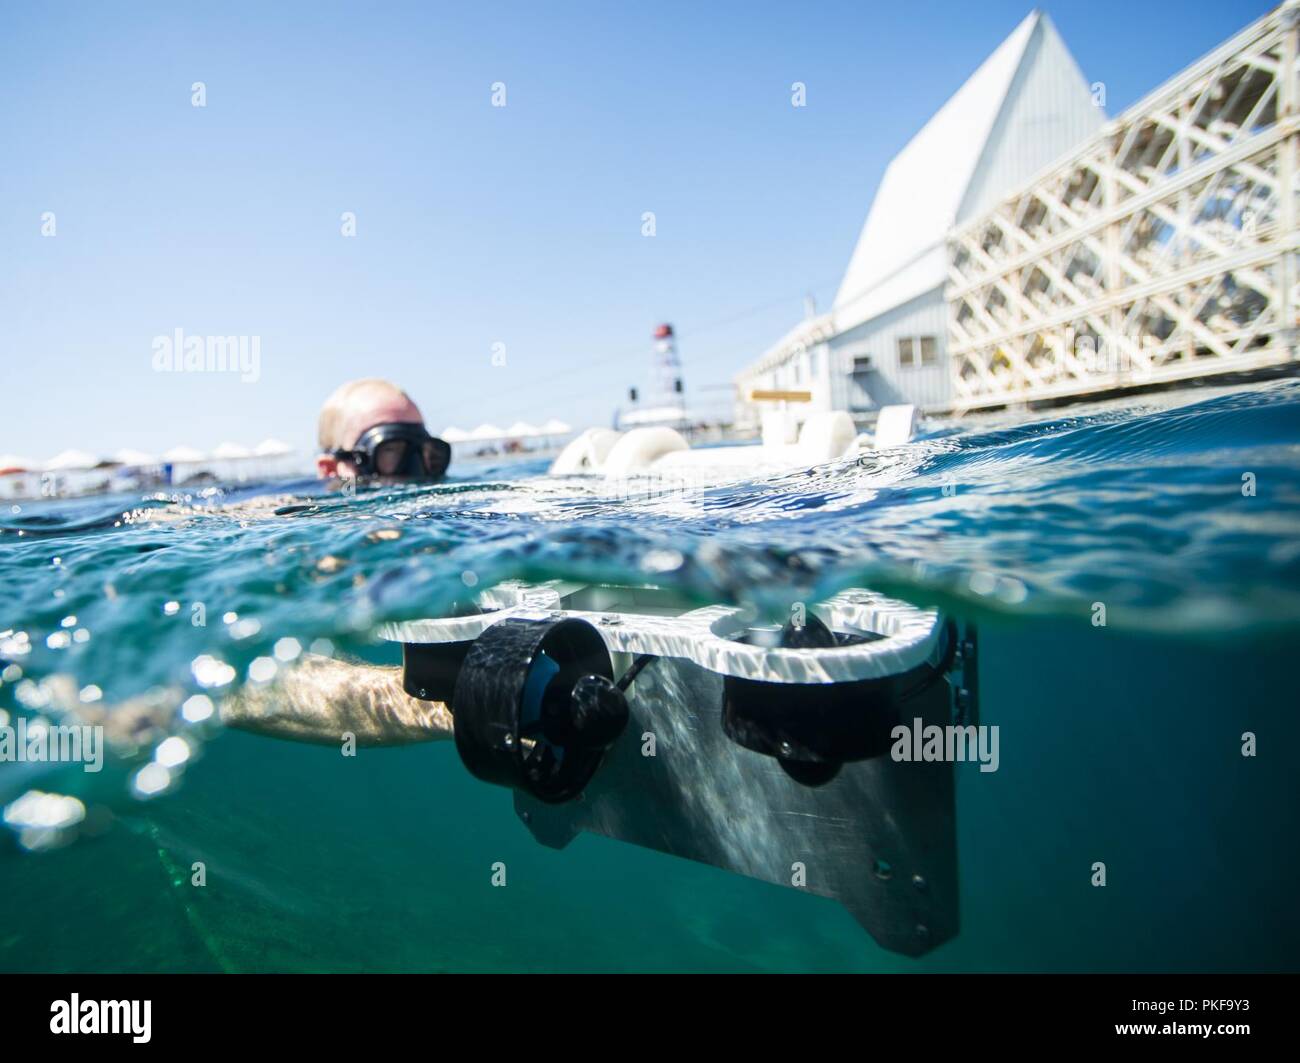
475, 225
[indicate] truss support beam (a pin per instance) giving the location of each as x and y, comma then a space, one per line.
1166, 248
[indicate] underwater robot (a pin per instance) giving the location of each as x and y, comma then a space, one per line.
763, 749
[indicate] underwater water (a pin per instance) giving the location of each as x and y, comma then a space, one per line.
1178, 525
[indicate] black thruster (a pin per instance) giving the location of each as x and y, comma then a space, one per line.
535, 706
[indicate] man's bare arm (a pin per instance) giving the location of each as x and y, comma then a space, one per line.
320, 699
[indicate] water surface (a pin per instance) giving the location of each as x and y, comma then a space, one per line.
1176, 519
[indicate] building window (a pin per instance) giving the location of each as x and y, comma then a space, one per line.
917, 350
862, 364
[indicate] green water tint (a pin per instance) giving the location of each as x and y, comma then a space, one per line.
1119, 743
1114, 748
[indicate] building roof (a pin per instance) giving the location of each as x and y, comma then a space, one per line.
808, 333
1024, 106
900, 253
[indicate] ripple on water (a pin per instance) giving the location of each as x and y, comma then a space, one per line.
1181, 519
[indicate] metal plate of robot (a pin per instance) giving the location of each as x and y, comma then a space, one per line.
880, 837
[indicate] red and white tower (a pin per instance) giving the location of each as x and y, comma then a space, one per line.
670, 392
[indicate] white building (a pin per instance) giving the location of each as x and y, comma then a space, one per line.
885, 338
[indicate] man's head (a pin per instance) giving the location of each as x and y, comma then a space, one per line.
349, 413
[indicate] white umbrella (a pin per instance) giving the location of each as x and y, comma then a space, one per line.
15, 463
183, 455
452, 434
521, 428
71, 459
486, 431
231, 452
272, 448
555, 427
134, 458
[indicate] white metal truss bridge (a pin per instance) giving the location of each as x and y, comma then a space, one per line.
1165, 248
